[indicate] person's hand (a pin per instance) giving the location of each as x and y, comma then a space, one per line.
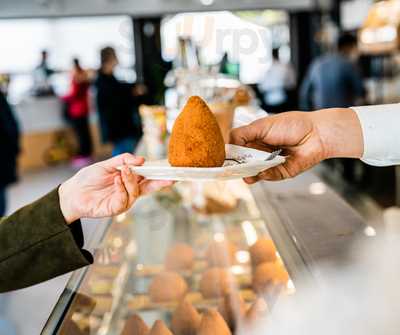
101, 190
306, 139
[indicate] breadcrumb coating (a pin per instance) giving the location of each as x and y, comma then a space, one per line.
196, 139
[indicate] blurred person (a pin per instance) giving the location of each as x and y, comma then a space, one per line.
9, 147
41, 76
228, 67
333, 80
44, 239
77, 109
117, 105
370, 133
278, 83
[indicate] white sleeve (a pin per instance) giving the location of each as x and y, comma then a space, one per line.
381, 132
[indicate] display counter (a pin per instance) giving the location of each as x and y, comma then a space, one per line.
206, 258
195, 249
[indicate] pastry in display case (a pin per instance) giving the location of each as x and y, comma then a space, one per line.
215, 283
213, 323
262, 251
232, 308
165, 268
185, 319
159, 328
242, 96
135, 325
168, 287
180, 257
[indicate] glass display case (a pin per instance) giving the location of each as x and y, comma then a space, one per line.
193, 249
205, 258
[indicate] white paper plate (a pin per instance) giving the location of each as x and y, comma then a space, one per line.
256, 163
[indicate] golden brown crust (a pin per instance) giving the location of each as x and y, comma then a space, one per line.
267, 275
262, 251
196, 139
232, 308
159, 328
213, 323
179, 257
215, 283
167, 286
135, 325
186, 319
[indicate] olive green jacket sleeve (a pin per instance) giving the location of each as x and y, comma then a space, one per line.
36, 244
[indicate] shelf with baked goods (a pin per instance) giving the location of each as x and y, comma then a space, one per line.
199, 247
204, 258
188, 245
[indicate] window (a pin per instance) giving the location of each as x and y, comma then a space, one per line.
23, 39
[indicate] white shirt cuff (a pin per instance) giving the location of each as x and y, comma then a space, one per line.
381, 133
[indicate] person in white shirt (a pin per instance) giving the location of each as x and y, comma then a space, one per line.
277, 84
369, 133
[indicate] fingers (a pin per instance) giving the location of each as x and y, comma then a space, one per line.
284, 171
124, 159
148, 186
251, 180
282, 130
246, 134
273, 174
131, 183
119, 184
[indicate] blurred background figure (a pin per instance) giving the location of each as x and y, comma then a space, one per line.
41, 77
333, 80
77, 113
277, 84
117, 105
226, 66
9, 148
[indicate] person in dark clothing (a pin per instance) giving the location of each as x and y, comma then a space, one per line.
9, 147
117, 105
333, 80
77, 101
45, 239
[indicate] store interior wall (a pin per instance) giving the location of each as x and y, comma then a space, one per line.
26, 8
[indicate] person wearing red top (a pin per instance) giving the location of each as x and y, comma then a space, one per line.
77, 101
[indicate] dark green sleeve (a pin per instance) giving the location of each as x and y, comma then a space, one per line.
36, 245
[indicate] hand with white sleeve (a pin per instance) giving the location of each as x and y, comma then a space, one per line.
306, 138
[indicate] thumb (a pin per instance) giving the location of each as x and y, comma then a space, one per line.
124, 159
253, 132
